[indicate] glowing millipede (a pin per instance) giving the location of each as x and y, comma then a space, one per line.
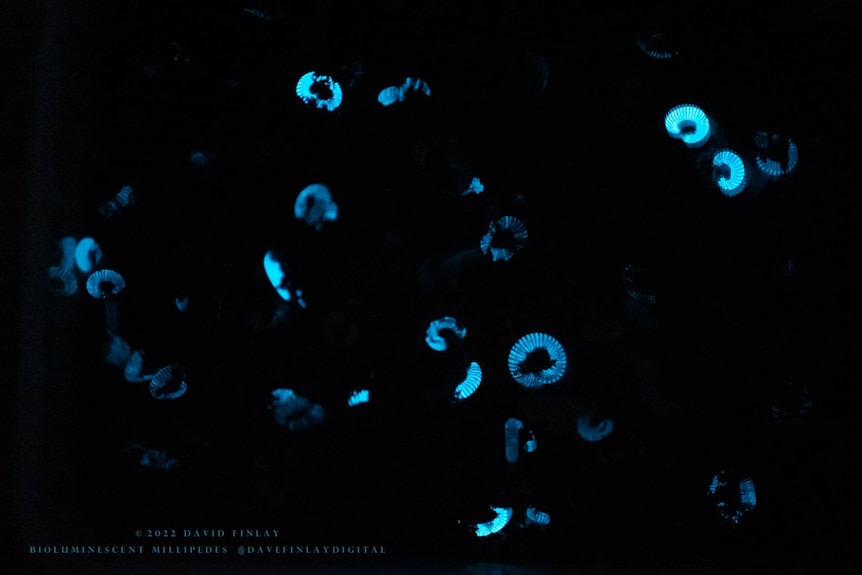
732, 504
536, 517
730, 174
593, 428
512, 430
314, 205
772, 146
506, 236
395, 94
64, 279
434, 334
134, 368
168, 382
124, 198
471, 383
689, 124
88, 255
504, 515
537, 359
358, 398
319, 90
105, 283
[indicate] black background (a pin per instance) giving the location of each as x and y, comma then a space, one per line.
121, 93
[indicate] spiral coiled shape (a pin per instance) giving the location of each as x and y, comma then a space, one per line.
504, 515
433, 336
506, 236
527, 365
104, 283
68, 283
471, 383
736, 177
311, 81
168, 383
688, 123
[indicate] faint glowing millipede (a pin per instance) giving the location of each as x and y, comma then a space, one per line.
434, 335
134, 368
512, 435
394, 94
729, 172
475, 187
734, 503
657, 45
124, 198
105, 283
88, 255
321, 91
68, 245
632, 276
593, 428
688, 123
314, 205
295, 412
64, 280
537, 359
777, 156
471, 383
504, 515
157, 460
168, 382
506, 236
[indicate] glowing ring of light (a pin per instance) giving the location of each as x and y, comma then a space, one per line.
734, 183
519, 238
688, 116
534, 342
305, 93
774, 169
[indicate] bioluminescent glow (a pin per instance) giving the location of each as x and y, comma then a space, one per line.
359, 397
295, 412
182, 304
67, 246
531, 444
776, 155
537, 359
592, 428
395, 94
504, 515
536, 517
168, 382
88, 255
632, 279
134, 368
471, 383
275, 269
434, 335
117, 350
506, 236
124, 198
657, 45
475, 187
689, 124
732, 499
320, 91
729, 172
512, 429
63, 280
104, 283
157, 460
314, 205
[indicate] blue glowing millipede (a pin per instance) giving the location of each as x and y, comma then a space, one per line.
117, 350
314, 205
512, 429
506, 236
537, 359
168, 382
777, 156
729, 172
434, 334
134, 368
734, 503
471, 383
88, 255
475, 187
504, 515
531, 444
657, 45
592, 428
67, 246
358, 398
688, 123
536, 517
104, 283
395, 94
65, 281
318, 90
124, 198
295, 412
275, 272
